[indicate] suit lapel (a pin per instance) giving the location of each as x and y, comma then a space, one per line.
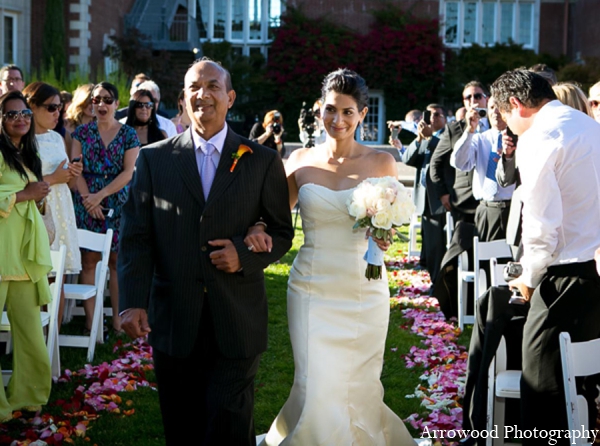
223, 176
185, 160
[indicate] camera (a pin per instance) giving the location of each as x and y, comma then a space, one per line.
482, 112
513, 270
277, 123
308, 123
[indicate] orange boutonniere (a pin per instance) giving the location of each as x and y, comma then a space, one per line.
237, 155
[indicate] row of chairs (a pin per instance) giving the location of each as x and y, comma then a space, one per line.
73, 292
578, 359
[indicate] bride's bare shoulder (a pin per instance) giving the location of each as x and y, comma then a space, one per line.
381, 162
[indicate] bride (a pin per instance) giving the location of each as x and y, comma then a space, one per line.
338, 320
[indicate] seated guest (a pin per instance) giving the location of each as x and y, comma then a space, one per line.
25, 260
142, 117
481, 152
594, 99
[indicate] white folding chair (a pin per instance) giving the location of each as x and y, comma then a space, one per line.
502, 383
99, 243
449, 228
481, 251
48, 317
415, 225
578, 359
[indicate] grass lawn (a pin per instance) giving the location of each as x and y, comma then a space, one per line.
273, 381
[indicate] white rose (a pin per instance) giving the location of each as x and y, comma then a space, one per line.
401, 212
383, 215
357, 210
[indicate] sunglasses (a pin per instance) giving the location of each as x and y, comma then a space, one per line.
476, 96
13, 115
106, 99
147, 105
52, 107
594, 104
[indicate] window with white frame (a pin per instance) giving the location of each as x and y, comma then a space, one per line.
9, 39
487, 22
373, 128
247, 24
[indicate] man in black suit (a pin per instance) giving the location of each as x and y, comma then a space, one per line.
185, 275
418, 154
452, 185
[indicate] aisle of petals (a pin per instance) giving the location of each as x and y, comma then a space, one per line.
96, 392
443, 360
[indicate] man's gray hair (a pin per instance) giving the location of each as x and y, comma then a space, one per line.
149, 85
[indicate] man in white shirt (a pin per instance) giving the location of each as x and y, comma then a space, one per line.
559, 162
480, 152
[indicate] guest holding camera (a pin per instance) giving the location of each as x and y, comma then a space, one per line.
108, 150
269, 133
480, 153
25, 260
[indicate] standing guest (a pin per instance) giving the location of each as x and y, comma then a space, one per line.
594, 100
571, 95
480, 153
163, 122
80, 111
25, 260
11, 78
185, 274
108, 150
559, 157
460, 114
319, 131
181, 120
269, 133
66, 98
137, 80
454, 187
546, 72
45, 103
142, 117
427, 203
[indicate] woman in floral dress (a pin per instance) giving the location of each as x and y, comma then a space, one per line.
109, 151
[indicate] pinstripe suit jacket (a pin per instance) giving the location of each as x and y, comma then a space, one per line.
164, 263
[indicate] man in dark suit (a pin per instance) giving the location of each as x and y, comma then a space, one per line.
418, 154
452, 185
185, 275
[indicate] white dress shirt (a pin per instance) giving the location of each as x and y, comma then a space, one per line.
472, 151
218, 140
559, 162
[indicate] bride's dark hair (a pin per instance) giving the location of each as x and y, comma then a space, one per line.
345, 81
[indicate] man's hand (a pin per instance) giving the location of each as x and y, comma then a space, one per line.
525, 291
225, 259
135, 323
424, 131
472, 118
508, 147
445, 199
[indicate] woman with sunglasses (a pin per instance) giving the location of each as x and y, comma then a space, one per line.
141, 115
45, 103
108, 150
25, 259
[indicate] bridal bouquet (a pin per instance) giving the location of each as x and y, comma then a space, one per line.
379, 204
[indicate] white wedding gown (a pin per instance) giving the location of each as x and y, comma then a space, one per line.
338, 323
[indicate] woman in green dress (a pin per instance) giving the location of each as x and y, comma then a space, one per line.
25, 260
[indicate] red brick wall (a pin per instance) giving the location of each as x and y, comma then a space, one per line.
105, 15
585, 30
552, 28
355, 14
